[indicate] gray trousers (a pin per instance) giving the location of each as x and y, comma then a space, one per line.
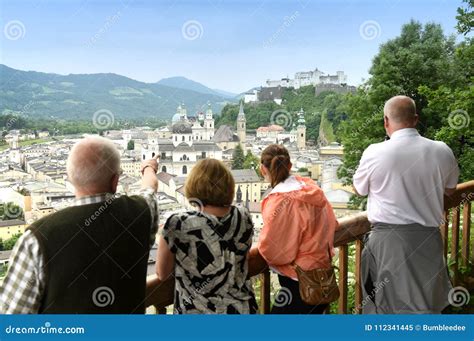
404, 271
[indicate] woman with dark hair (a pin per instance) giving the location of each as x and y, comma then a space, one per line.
299, 225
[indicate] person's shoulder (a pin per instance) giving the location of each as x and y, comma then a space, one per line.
440, 146
375, 148
176, 220
183, 216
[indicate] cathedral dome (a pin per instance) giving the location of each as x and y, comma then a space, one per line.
182, 128
176, 118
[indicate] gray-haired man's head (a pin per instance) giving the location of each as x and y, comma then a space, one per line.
93, 166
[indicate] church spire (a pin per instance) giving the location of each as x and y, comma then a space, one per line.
241, 125
241, 115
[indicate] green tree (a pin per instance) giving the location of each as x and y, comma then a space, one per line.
10, 243
420, 56
465, 18
238, 158
3, 270
454, 102
251, 162
131, 145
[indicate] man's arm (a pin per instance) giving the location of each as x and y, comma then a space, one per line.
149, 170
449, 191
355, 190
361, 178
23, 287
452, 172
148, 192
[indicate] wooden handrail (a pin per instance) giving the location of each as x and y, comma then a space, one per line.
350, 229
464, 193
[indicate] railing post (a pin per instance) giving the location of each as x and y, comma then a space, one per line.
455, 245
265, 292
343, 259
358, 281
466, 233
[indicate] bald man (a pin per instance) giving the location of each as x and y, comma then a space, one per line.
405, 178
92, 257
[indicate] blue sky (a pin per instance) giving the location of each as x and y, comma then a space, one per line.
238, 45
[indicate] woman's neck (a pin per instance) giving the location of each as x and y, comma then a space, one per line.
217, 211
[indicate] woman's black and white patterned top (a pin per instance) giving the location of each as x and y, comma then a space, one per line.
211, 262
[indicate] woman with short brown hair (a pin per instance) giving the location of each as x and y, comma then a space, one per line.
207, 248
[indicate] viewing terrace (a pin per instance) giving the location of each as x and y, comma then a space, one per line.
455, 230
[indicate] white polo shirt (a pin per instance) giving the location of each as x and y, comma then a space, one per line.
405, 178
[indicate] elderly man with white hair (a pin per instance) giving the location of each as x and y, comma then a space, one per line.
405, 178
91, 257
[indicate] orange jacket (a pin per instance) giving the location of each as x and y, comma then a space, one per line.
298, 225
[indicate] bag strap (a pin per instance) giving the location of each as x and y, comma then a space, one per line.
294, 265
329, 253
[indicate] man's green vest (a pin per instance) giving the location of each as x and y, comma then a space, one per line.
95, 257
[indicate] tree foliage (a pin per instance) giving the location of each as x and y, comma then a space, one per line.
238, 158
465, 17
426, 65
251, 162
10, 243
266, 113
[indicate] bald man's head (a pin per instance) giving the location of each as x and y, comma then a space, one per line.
93, 163
400, 110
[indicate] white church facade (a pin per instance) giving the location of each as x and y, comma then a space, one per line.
184, 142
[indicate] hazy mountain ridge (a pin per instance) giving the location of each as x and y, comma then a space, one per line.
80, 95
188, 84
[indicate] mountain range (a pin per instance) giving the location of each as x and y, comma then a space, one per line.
185, 83
72, 96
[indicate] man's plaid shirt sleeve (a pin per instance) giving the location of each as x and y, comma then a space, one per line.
22, 288
151, 199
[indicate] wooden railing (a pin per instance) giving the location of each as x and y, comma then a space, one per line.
351, 230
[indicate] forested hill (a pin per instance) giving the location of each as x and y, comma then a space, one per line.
327, 104
78, 96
